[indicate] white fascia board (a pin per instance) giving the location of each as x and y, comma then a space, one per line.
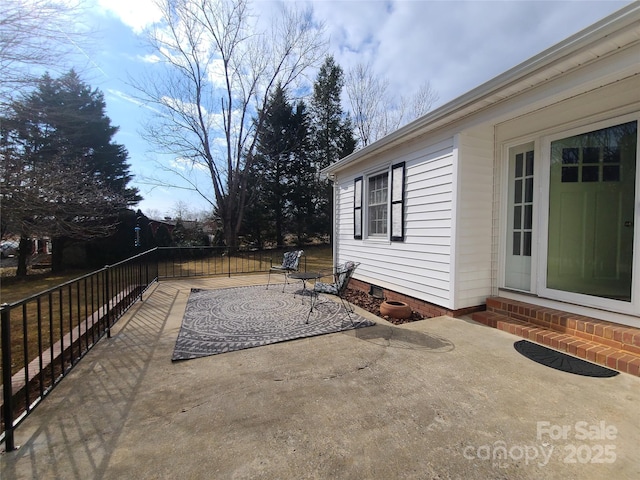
466, 103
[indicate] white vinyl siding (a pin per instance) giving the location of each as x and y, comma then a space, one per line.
455, 202
474, 217
421, 265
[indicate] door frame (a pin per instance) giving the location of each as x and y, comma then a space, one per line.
544, 160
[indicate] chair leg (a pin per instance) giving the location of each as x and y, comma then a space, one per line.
314, 301
348, 307
269, 280
345, 303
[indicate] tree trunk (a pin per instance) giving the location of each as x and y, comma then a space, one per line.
230, 237
279, 222
57, 248
24, 251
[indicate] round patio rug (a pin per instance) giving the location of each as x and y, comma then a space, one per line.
228, 319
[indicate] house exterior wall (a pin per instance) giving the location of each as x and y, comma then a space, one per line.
473, 219
606, 103
455, 200
421, 265
456, 172
445, 258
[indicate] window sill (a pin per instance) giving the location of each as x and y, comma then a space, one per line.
377, 240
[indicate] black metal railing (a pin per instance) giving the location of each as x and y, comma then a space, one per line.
177, 262
45, 335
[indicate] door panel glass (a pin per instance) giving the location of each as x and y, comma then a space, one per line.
520, 218
591, 212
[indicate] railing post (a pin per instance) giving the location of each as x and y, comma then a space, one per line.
107, 314
7, 387
140, 281
156, 258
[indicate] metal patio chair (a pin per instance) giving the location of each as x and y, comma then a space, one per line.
338, 287
290, 264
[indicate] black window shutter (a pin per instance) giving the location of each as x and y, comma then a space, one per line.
357, 208
397, 202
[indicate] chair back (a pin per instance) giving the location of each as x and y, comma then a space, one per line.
291, 260
343, 275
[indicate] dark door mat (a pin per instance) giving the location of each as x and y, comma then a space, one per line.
561, 361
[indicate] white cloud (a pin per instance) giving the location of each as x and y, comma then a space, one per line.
187, 165
456, 45
149, 58
191, 110
122, 96
137, 14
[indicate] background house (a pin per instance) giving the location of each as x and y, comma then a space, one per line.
524, 188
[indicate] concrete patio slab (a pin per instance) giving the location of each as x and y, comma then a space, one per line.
436, 399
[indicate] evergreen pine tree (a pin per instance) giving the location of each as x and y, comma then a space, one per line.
301, 173
64, 177
270, 164
332, 134
281, 173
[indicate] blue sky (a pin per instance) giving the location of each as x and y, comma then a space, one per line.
455, 45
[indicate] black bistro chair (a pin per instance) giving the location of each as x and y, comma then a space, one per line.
338, 287
290, 264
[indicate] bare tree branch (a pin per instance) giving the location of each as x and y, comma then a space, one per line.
376, 112
55, 199
212, 85
34, 35
365, 91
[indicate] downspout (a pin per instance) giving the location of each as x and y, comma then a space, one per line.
456, 182
334, 230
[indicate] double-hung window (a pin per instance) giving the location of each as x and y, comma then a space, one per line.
377, 205
379, 198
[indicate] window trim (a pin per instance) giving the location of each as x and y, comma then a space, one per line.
384, 235
396, 189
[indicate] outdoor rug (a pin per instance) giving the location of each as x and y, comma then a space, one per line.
561, 361
224, 320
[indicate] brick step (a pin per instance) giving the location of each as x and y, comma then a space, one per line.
592, 350
607, 333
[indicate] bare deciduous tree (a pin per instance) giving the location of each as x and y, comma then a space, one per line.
376, 111
53, 199
422, 100
211, 85
34, 35
365, 92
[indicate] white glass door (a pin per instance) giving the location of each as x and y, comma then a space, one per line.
592, 187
